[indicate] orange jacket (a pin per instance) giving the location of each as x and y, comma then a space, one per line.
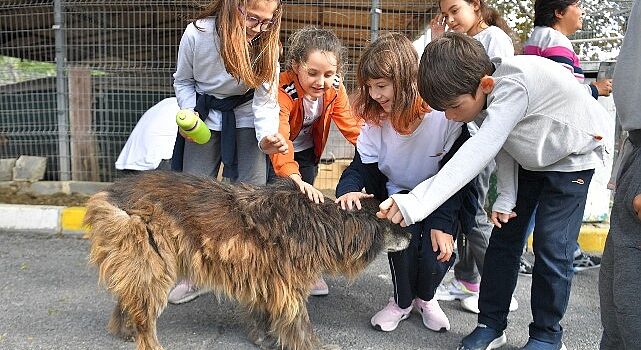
335, 107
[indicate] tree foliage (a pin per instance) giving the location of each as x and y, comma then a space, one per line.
603, 19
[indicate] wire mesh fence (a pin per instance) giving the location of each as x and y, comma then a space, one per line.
76, 75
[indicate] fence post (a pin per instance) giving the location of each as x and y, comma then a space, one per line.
376, 17
61, 92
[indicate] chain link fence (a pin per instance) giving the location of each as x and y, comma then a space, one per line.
75, 75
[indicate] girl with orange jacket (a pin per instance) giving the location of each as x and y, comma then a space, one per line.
311, 95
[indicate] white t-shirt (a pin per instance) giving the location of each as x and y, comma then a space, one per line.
495, 42
408, 160
152, 139
313, 110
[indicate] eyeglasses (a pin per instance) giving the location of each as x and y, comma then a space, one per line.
253, 22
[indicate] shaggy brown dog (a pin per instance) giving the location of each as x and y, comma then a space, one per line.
262, 246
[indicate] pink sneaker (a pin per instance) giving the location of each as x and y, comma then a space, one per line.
319, 288
388, 319
184, 292
433, 316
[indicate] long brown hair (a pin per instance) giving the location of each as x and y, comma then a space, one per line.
392, 57
252, 63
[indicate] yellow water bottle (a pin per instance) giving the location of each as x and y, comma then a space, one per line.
193, 126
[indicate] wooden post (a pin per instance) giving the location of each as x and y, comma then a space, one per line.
84, 162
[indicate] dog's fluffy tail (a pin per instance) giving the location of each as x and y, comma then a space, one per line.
129, 260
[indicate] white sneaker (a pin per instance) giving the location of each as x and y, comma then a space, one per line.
455, 290
471, 304
442, 293
184, 292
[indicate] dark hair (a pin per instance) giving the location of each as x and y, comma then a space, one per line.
545, 11
309, 39
451, 66
392, 56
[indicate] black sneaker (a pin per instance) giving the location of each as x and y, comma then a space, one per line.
585, 262
525, 267
483, 338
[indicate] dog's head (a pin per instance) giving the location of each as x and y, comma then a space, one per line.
395, 237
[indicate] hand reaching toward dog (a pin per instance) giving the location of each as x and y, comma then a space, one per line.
351, 199
498, 218
389, 210
312, 192
444, 242
274, 144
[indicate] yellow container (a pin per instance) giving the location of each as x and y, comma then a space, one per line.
192, 126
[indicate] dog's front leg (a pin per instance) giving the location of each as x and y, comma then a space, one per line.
296, 334
259, 326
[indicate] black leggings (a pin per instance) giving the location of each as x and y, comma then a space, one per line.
415, 271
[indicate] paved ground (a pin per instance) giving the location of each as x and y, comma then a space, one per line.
50, 300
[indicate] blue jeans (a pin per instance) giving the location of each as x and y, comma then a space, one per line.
561, 201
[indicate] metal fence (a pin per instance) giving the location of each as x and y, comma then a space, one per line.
75, 75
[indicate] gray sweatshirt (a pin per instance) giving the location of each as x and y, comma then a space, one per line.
627, 74
200, 69
537, 117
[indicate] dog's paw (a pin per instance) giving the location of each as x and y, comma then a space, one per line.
263, 341
330, 347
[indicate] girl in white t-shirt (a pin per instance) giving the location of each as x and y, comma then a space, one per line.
403, 143
476, 19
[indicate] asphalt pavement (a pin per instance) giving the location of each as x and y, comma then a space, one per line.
50, 299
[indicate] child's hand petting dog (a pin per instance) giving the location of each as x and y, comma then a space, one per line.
312, 192
444, 242
351, 199
499, 218
389, 210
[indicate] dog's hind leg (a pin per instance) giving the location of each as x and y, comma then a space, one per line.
130, 262
120, 324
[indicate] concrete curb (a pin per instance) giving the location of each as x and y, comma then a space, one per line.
45, 219
591, 237
68, 221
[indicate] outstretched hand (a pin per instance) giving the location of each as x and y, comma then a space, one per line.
352, 199
501, 218
274, 144
389, 210
312, 192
